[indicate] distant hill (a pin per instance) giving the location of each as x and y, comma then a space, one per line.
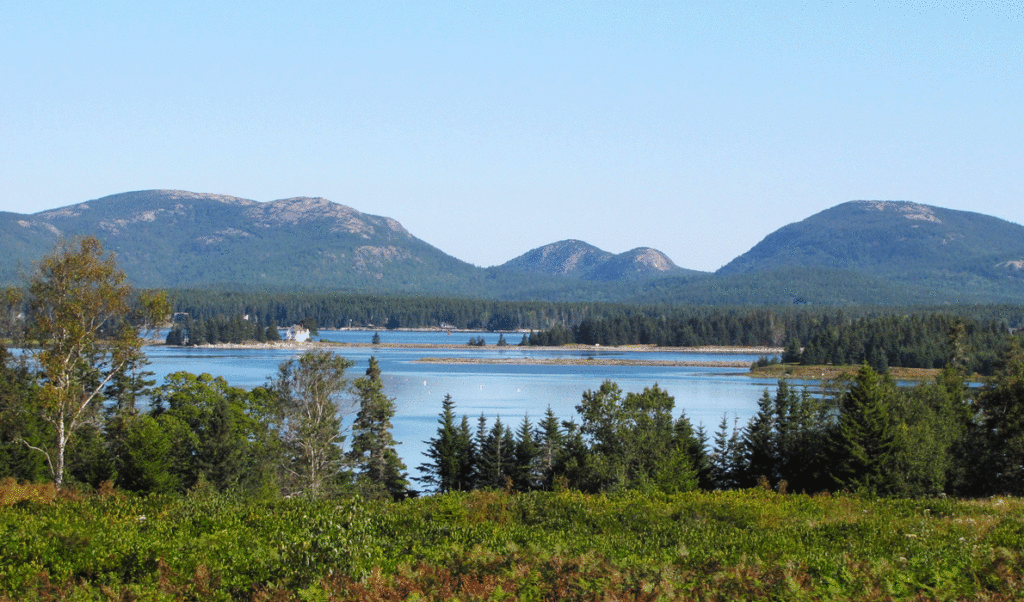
916, 245
861, 252
171, 238
577, 259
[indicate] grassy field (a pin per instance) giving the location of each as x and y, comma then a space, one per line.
751, 545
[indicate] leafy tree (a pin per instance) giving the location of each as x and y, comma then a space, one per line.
217, 433
84, 321
312, 399
930, 422
373, 448
634, 442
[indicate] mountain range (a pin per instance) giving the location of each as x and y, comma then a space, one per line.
859, 252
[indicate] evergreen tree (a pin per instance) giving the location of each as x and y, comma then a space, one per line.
760, 454
272, 333
373, 447
1000, 408
727, 461
146, 462
527, 475
467, 475
864, 440
497, 466
20, 430
441, 471
550, 440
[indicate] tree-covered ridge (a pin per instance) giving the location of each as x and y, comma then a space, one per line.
863, 252
915, 243
167, 238
577, 259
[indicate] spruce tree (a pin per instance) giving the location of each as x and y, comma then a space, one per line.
373, 447
550, 440
446, 452
863, 440
526, 475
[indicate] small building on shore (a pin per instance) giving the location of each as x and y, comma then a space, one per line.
297, 333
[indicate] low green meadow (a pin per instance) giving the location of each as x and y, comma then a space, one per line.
753, 545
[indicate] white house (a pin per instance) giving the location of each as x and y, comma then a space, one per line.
297, 333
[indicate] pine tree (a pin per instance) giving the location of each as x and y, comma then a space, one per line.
497, 457
727, 456
527, 453
448, 453
373, 447
864, 440
1001, 426
550, 440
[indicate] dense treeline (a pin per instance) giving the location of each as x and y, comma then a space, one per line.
917, 337
310, 430
220, 329
865, 434
624, 322
973, 337
334, 310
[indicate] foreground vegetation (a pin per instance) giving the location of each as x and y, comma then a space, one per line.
753, 544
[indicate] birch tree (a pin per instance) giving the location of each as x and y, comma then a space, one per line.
84, 331
313, 398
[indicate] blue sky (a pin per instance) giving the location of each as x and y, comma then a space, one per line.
491, 128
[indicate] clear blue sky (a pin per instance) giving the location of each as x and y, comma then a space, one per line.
490, 128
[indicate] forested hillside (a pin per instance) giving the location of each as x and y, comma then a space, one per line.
862, 252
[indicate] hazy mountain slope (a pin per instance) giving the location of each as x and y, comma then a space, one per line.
577, 259
862, 252
642, 263
573, 258
166, 238
912, 243
810, 285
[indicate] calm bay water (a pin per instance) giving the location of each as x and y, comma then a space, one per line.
508, 391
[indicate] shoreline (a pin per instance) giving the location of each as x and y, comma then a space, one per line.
529, 361
710, 350
589, 361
